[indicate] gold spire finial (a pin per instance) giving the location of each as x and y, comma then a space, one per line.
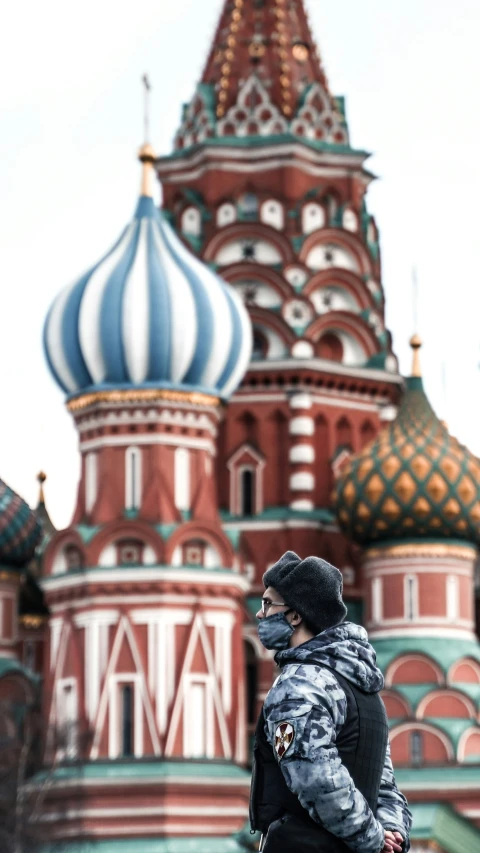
41, 477
416, 343
146, 155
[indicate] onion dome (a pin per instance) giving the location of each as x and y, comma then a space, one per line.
149, 314
413, 480
19, 529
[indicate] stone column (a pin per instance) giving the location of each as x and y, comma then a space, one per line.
301, 454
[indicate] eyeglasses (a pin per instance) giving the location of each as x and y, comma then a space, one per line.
266, 604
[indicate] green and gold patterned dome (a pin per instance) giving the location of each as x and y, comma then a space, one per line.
413, 480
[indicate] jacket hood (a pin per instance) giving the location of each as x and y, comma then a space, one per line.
344, 648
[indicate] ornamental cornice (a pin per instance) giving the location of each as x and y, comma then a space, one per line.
141, 395
32, 620
422, 549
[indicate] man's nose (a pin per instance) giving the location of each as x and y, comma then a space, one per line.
259, 614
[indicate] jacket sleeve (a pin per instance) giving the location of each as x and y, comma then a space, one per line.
392, 810
311, 765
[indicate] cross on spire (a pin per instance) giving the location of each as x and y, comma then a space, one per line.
146, 107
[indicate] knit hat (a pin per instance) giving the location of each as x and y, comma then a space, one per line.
312, 587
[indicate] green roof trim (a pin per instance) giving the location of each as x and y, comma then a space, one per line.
444, 651
441, 824
87, 532
441, 778
263, 141
281, 513
165, 530
137, 769
8, 666
148, 845
414, 693
454, 727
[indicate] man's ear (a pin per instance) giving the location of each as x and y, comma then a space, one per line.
296, 618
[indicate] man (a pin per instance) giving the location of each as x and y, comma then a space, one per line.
322, 778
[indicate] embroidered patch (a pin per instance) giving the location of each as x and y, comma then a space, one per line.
284, 735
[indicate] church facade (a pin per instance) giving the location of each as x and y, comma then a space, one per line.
236, 395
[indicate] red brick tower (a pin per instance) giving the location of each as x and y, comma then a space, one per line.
265, 186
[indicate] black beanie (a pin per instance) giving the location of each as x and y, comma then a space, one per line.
312, 587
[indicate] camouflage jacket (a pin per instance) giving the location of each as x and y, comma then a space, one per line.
312, 701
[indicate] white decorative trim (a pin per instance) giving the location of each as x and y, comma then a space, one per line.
391, 633
193, 417
377, 600
144, 574
151, 438
302, 505
452, 597
133, 478
410, 599
301, 426
198, 633
301, 453
300, 401
289, 524
434, 621
302, 481
124, 631
91, 480
146, 811
465, 660
463, 741
182, 478
385, 568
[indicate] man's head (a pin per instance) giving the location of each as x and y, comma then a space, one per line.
308, 592
272, 604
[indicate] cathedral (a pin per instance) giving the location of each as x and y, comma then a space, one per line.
236, 395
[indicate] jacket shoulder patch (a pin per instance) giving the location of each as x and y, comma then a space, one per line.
284, 735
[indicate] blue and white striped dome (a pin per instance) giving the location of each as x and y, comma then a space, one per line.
149, 314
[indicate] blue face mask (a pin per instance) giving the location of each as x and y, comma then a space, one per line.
275, 631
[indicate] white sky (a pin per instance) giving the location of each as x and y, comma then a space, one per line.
71, 122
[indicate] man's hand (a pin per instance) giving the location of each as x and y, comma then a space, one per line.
393, 842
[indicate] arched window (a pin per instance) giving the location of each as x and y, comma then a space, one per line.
272, 214
416, 748
331, 347
126, 702
260, 345
91, 481
191, 222
248, 204
343, 433
367, 433
247, 491
313, 217
67, 716
73, 557
226, 214
182, 479
133, 478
